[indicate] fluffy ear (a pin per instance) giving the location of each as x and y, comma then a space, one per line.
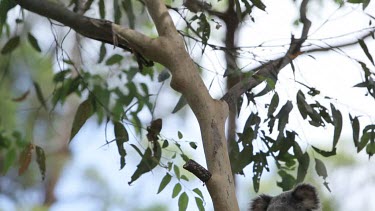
307, 195
260, 203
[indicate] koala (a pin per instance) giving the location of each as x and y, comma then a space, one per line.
302, 198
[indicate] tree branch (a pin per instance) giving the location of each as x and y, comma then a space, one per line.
97, 29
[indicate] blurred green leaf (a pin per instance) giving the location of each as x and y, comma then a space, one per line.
33, 42
84, 112
11, 45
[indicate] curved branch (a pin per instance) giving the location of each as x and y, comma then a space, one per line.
97, 29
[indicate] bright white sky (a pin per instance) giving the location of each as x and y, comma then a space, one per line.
331, 73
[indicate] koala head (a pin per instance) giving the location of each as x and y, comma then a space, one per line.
302, 198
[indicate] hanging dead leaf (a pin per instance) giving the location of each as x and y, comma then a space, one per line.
154, 130
22, 97
25, 158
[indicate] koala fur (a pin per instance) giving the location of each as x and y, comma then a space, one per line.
302, 198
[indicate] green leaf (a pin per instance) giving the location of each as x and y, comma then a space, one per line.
164, 75
11, 45
180, 104
5, 6
176, 170
364, 140
320, 168
283, 115
148, 162
337, 122
164, 182
184, 177
259, 4
9, 159
198, 192
370, 149
193, 145
303, 160
121, 137
39, 95
33, 42
273, 105
41, 160
355, 126
127, 5
84, 112
114, 59
60, 76
165, 144
102, 51
102, 9
365, 49
179, 134
287, 181
325, 153
199, 203
176, 190
116, 11
183, 202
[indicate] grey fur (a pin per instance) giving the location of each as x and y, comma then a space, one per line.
302, 198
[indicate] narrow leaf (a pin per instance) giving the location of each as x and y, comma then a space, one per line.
193, 145
11, 45
180, 104
102, 52
259, 4
355, 127
164, 182
365, 49
337, 122
39, 95
199, 203
84, 112
176, 171
325, 153
101, 9
41, 160
198, 192
183, 202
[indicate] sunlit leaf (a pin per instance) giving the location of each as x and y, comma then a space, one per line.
176, 171
11, 45
84, 112
41, 160
199, 203
183, 202
176, 190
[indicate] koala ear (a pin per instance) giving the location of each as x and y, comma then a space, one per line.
307, 195
260, 203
